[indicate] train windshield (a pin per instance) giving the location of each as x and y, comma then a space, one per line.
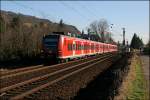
51, 42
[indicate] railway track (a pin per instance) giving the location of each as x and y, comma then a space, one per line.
42, 77
11, 72
19, 70
23, 74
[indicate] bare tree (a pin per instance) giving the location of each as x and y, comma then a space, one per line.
94, 26
100, 27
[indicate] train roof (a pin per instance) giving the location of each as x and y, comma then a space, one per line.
76, 37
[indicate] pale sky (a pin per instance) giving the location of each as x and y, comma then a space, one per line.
133, 15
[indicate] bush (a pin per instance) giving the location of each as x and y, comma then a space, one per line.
2, 27
146, 50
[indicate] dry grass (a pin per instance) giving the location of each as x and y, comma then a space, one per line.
127, 81
133, 86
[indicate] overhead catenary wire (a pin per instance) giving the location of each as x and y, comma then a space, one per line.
44, 15
88, 10
83, 17
75, 10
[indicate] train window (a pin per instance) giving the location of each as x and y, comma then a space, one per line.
64, 41
82, 47
70, 47
74, 47
92, 47
79, 46
51, 42
87, 46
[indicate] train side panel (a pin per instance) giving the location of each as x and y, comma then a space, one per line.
70, 47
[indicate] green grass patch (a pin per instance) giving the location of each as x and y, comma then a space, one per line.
137, 90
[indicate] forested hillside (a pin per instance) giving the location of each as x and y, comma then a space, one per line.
21, 35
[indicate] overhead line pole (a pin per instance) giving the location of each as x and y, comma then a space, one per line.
123, 36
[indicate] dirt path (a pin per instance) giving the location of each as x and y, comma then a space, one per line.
146, 67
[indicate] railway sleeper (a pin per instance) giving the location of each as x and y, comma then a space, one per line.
33, 95
8, 95
28, 97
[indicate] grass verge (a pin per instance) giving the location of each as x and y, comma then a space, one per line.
137, 88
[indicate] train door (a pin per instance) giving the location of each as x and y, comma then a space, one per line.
74, 47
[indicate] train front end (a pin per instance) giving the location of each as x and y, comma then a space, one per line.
51, 46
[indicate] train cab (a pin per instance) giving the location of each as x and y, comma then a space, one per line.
50, 45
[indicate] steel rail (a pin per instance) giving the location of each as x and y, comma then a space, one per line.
19, 70
27, 76
36, 68
47, 75
34, 90
29, 83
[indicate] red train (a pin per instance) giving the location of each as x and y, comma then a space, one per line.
64, 47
